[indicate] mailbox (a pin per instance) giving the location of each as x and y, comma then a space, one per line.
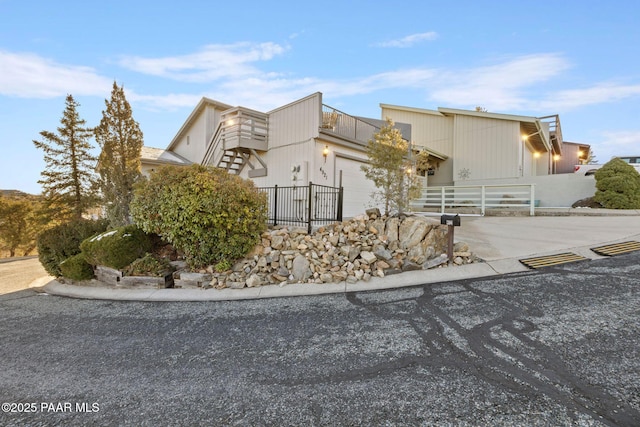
450, 220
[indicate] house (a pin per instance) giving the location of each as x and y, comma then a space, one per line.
309, 141
477, 145
479, 148
300, 142
573, 154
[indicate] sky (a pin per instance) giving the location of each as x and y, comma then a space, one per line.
576, 58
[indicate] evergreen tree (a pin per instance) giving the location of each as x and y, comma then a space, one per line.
68, 180
13, 223
120, 138
390, 169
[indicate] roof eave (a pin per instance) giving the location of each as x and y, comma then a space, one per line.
204, 101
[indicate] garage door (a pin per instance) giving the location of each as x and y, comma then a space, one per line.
357, 188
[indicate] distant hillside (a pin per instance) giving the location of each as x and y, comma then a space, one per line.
16, 194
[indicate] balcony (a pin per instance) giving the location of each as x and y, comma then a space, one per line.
346, 126
242, 128
555, 132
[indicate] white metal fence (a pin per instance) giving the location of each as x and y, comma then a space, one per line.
476, 198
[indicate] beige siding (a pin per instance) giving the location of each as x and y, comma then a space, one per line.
295, 123
433, 131
192, 143
486, 148
212, 121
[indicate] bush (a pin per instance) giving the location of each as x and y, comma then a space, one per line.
586, 203
618, 185
207, 213
63, 241
117, 248
76, 268
148, 266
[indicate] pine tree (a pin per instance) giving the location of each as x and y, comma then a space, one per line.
120, 138
390, 169
68, 180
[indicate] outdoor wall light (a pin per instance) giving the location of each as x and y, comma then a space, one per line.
325, 153
556, 157
536, 155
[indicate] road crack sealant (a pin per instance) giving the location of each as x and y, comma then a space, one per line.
499, 351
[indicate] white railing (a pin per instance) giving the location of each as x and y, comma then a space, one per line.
476, 198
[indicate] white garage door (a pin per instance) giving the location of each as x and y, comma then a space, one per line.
357, 188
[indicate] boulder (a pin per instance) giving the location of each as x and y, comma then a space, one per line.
412, 230
301, 270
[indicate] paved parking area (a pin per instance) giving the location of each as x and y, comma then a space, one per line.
550, 347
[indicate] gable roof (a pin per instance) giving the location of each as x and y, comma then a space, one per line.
202, 104
158, 156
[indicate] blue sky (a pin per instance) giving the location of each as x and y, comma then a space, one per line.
576, 58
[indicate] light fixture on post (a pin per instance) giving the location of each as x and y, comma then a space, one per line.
325, 153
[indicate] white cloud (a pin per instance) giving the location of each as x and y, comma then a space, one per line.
617, 143
27, 75
212, 63
164, 102
597, 94
410, 40
499, 87
510, 85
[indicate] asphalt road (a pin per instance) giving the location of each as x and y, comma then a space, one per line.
558, 347
21, 273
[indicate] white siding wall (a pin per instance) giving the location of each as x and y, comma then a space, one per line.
292, 130
555, 191
192, 144
279, 161
295, 122
486, 148
212, 121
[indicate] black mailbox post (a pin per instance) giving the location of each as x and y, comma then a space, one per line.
451, 221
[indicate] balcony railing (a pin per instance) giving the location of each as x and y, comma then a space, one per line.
347, 126
243, 128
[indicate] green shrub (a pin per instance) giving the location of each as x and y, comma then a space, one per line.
207, 213
148, 265
63, 241
76, 268
117, 248
618, 185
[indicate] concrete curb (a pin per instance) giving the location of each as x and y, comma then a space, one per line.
491, 267
410, 278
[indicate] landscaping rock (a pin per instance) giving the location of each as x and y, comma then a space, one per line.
301, 271
356, 249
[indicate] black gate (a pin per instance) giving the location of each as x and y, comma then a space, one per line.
312, 205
